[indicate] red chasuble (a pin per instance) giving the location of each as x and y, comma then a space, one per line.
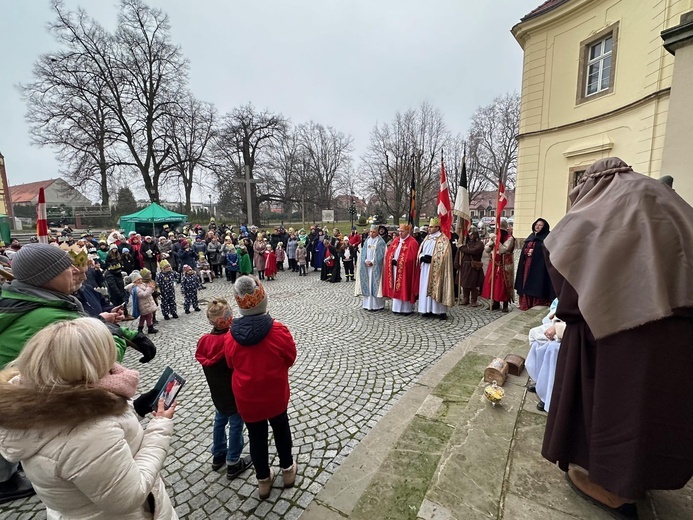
401, 286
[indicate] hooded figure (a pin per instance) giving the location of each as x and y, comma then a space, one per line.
532, 282
627, 300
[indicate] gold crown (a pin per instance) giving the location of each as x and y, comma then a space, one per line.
79, 255
435, 221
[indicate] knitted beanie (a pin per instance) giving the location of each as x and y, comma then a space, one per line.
38, 264
250, 296
219, 314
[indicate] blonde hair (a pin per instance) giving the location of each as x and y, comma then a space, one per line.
68, 353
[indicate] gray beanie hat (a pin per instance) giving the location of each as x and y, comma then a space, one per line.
250, 296
38, 264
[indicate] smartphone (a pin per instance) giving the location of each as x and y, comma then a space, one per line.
159, 386
117, 308
170, 389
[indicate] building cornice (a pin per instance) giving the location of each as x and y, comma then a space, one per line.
680, 35
522, 30
650, 97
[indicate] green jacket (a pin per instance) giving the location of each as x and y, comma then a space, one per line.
25, 310
245, 265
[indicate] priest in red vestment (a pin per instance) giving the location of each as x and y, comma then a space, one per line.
400, 271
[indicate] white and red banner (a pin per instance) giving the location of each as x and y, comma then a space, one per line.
444, 205
41, 218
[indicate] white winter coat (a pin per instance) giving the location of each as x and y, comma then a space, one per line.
100, 468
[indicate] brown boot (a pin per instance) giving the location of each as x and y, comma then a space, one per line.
617, 506
474, 298
264, 486
465, 296
289, 476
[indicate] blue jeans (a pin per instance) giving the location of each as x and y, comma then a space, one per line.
235, 442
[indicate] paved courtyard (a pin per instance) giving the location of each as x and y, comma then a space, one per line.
352, 366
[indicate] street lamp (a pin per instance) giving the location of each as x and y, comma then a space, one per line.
210, 205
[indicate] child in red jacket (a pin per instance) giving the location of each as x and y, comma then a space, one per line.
260, 352
210, 354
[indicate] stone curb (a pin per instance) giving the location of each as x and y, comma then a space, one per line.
343, 491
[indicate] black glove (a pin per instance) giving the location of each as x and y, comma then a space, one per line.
143, 404
144, 345
426, 259
394, 263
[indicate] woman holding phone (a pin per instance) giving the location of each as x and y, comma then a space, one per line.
67, 417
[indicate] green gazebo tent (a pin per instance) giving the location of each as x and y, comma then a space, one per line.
145, 220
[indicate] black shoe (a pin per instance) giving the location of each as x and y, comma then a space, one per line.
197, 309
532, 389
239, 467
218, 461
151, 330
427, 315
495, 306
166, 317
442, 317
18, 486
174, 316
202, 287
187, 311
540, 406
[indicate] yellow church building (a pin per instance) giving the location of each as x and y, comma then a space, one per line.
602, 78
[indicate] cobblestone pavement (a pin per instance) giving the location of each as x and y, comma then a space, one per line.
352, 366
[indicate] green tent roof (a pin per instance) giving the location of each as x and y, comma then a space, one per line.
152, 214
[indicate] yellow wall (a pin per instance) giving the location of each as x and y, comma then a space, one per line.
643, 72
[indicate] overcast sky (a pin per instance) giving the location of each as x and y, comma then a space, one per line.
343, 63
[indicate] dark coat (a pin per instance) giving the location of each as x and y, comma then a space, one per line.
537, 283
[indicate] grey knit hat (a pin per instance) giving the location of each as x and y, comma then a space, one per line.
38, 264
250, 296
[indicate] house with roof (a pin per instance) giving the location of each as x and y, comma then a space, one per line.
602, 78
57, 192
484, 204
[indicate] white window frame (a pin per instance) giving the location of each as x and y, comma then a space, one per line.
599, 60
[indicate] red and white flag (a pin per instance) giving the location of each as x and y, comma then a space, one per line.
41, 218
444, 205
500, 206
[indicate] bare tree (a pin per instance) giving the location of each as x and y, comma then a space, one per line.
412, 143
151, 74
493, 138
244, 134
389, 163
190, 131
142, 74
455, 149
284, 169
326, 160
68, 109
